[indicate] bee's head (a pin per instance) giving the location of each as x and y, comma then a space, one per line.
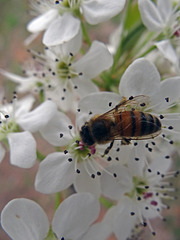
85, 135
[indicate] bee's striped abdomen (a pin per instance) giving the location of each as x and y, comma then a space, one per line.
137, 124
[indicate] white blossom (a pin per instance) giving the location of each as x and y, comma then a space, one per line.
79, 164
139, 194
15, 116
60, 76
25, 219
163, 19
60, 18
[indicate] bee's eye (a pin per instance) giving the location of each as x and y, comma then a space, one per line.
86, 136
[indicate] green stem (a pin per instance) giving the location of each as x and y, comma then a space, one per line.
85, 34
57, 200
105, 202
119, 49
40, 156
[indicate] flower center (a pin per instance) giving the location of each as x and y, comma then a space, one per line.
80, 151
65, 71
69, 5
7, 125
139, 188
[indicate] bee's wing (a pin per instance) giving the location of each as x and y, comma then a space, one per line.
134, 103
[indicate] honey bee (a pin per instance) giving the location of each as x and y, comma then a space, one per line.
125, 122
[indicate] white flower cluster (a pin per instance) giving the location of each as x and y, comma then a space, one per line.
110, 110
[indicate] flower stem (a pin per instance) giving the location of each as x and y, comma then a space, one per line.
40, 156
85, 34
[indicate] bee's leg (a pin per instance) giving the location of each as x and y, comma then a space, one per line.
108, 148
125, 141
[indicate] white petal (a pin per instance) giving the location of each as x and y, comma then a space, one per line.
24, 219
41, 22
84, 182
169, 89
112, 187
165, 47
72, 46
57, 126
141, 77
61, 30
101, 230
75, 215
150, 15
15, 78
39, 117
22, 149
84, 86
55, 173
23, 106
97, 11
165, 9
96, 60
31, 38
2, 153
123, 222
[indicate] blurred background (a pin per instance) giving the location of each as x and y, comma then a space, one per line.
18, 183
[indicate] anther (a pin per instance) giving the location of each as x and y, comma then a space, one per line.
167, 99
109, 159
110, 104
70, 127
99, 173
61, 135
70, 159
78, 171
170, 127
92, 175
137, 159
80, 74
115, 175
142, 104
6, 116
131, 98
65, 151
132, 213
161, 116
